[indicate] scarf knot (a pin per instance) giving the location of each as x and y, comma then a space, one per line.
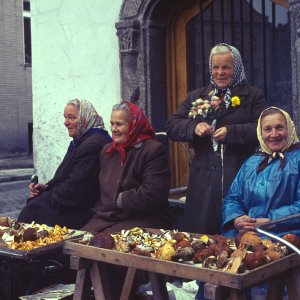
269, 158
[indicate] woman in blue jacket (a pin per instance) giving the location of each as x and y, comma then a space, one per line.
267, 187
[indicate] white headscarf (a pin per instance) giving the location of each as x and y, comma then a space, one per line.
88, 116
292, 137
238, 77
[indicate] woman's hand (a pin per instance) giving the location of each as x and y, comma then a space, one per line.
261, 220
34, 189
203, 129
244, 223
220, 134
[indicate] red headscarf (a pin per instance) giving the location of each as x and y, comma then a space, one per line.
139, 130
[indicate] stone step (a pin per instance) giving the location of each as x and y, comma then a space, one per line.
8, 175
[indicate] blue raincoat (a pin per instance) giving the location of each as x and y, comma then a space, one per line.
272, 193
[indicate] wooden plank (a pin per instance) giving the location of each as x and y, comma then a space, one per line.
127, 287
158, 285
78, 263
237, 294
212, 291
237, 281
153, 264
292, 284
100, 281
83, 286
276, 288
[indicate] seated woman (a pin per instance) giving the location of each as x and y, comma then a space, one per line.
267, 186
134, 176
68, 197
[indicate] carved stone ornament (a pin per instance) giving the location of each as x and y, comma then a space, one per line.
128, 39
294, 8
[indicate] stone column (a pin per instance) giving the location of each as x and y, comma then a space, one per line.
294, 9
128, 33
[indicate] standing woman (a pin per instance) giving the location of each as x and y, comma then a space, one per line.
134, 176
219, 121
68, 197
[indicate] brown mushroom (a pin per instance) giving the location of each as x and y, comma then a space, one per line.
102, 240
198, 245
182, 244
275, 252
4, 221
293, 239
255, 259
179, 236
201, 255
250, 238
30, 234
184, 254
222, 259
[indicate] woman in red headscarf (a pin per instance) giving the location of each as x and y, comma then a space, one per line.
134, 176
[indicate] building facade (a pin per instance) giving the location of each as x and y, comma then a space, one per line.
15, 78
135, 50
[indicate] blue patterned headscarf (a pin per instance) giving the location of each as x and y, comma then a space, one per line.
238, 77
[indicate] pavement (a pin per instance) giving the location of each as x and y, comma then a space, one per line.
15, 174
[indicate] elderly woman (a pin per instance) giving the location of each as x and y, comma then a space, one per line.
134, 175
68, 197
219, 121
267, 186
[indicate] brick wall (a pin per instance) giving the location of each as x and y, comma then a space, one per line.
15, 81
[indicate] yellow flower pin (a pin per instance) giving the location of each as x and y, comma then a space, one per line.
235, 101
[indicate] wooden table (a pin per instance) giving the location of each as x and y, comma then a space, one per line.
94, 260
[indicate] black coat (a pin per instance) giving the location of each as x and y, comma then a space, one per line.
73, 190
208, 181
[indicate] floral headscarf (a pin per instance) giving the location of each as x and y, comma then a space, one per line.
291, 142
88, 117
238, 77
139, 130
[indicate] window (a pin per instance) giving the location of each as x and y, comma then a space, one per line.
27, 32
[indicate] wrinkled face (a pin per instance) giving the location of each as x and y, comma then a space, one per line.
71, 115
274, 131
119, 126
222, 69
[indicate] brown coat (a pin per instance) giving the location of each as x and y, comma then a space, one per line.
144, 182
209, 180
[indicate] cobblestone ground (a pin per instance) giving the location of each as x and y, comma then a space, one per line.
13, 197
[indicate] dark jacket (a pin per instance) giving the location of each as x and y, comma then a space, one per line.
144, 182
73, 190
208, 180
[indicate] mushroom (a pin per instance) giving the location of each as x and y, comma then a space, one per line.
255, 259
102, 240
250, 238
184, 254
210, 263
275, 252
222, 259
235, 265
166, 252
200, 256
293, 239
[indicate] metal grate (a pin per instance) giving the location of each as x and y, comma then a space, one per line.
260, 29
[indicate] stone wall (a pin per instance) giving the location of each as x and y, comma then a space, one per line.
74, 55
